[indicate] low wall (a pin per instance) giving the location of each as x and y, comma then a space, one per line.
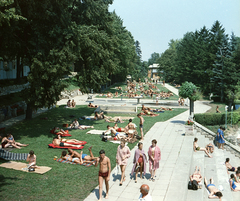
117, 109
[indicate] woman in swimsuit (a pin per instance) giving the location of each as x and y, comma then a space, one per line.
139, 161
234, 185
197, 148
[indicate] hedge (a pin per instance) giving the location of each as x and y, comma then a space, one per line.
217, 118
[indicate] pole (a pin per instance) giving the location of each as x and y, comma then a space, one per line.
226, 108
231, 114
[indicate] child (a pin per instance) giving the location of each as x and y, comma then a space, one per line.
32, 159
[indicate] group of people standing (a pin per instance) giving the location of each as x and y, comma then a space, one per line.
139, 161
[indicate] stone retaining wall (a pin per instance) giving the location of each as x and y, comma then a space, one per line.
12, 89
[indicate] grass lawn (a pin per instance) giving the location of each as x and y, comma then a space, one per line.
124, 87
64, 181
213, 106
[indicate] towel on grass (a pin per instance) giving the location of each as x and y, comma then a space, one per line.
65, 147
68, 162
97, 132
23, 167
6, 155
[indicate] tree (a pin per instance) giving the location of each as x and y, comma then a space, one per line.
189, 90
153, 59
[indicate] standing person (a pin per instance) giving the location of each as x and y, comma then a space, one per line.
154, 155
139, 162
104, 172
123, 153
145, 196
141, 125
221, 140
217, 136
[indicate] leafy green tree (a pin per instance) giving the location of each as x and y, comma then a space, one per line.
189, 90
153, 59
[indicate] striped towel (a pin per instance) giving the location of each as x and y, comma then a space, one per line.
12, 156
84, 163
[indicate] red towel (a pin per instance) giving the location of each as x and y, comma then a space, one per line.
62, 135
58, 147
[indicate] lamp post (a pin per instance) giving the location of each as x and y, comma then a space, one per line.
231, 114
226, 108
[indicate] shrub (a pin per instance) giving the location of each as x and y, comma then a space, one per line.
217, 118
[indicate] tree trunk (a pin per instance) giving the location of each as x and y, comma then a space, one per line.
29, 112
191, 107
19, 69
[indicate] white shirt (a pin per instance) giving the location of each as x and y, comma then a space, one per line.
146, 198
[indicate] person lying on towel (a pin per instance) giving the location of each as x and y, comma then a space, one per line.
67, 157
81, 156
59, 131
69, 140
57, 142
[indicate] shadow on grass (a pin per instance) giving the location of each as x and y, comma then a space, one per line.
4, 181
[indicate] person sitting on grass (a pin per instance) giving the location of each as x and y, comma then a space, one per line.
91, 105
114, 133
67, 157
210, 148
217, 109
69, 103
57, 142
214, 192
130, 129
197, 148
234, 185
32, 159
196, 175
9, 141
229, 166
73, 104
81, 156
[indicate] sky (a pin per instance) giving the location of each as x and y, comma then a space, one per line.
155, 22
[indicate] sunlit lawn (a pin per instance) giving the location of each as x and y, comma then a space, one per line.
112, 89
64, 181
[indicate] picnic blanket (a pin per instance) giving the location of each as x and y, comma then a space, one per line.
23, 167
68, 162
65, 147
6, 155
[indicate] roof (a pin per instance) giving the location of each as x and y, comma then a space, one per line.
154, 66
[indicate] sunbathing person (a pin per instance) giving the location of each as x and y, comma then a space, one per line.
73, 104
69, 140
81, 156
210, 148
56, 130
91, 105
114, 133
214, 192
9, 141
130, 129
196, 175
197, 148
118, 129
57, 142
69, 103
67, 157
234, 185
32, 159
229, 167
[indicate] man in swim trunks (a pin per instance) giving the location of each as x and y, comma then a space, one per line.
229, 167
114, 133
210, 148
81, 156
104, 172
141, 124
214, 192
118, 129
57, 142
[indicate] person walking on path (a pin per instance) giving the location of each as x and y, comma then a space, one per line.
123, 153
221, 140
141, 125
139, 162
154, 155
104, 172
